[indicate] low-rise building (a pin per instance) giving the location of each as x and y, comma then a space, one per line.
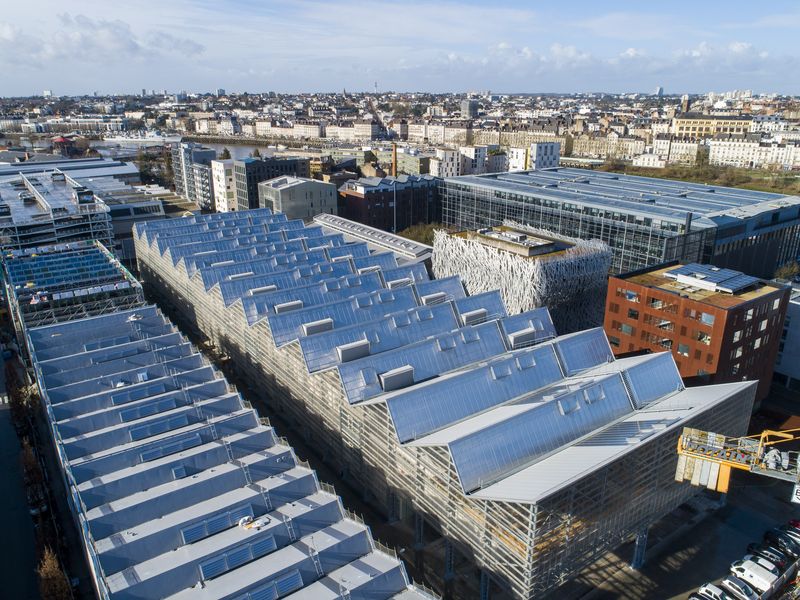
720, 325
544, 155
752, 151
298, 197
249, 172
391, 203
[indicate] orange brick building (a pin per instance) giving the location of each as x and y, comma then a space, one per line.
719, 324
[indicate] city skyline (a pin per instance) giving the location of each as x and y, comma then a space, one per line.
313, 46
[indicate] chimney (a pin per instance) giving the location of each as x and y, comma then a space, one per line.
394, 159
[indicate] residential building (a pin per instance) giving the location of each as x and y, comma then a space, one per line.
699, 126
224, 186
517, 159
469, 109
391, 203
720, 325
298, 197
607, 146
787, 364
418, 393
193, 184
497, 161
249, 172
408, 163
676, 151
531, 269
752, 151
544, 155
650, 161
177, 486
446, 163
473, 159
646, 221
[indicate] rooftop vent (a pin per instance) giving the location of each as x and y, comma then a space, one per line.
397, 378
474, 317
317, 326
396, 283
522, 338
284, 307
263, 290
353, 350
435, 298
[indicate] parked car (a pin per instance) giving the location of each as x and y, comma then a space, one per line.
791, 532
756, 576
772, 554
763, 562
709, 591
738, 588
782, 542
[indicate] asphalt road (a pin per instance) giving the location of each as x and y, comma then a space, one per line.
17, 550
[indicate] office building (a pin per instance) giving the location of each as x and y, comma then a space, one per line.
497, 443
249, 172
530, 269
698, 126
787, 364
391, 203
177, 488
720, 325
223, 184
645, 221
191, 166
469, 109
298, 197
77, 168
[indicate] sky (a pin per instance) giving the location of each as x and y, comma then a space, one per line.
119, 46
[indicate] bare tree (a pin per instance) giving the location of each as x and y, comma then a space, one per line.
53, 584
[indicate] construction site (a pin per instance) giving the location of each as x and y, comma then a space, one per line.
522, 455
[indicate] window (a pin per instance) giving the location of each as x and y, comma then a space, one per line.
706, 318
757, 344
633, 314
749, 315
631, 296
737, 335
763, 325
626, 329
703, 338
736, 353
683, 349
776, 303
614, 341
735, 369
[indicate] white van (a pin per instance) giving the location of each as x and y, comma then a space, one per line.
763, 562
755, 575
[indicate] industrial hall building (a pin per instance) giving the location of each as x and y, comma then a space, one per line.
645, 221
523, 455
177, 488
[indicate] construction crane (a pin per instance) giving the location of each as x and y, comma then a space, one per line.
706, 459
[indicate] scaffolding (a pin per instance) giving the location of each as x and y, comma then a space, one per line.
528, 544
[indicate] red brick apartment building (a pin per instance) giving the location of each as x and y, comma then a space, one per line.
719, 324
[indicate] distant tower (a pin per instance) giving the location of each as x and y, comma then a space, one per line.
660, 91
376, 87
685, 103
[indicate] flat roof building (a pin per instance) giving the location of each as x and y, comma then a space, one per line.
177, 488
521, 448
720, 325
787, 365
645, 221
298, 197
530, 268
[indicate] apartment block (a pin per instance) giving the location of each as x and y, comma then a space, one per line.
696, 125
720, 325
249, 172
298, 197
224, 185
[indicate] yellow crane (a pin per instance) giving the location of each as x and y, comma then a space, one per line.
706, 459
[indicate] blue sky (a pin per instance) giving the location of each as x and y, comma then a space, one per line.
77, 46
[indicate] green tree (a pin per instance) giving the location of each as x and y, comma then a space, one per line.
788, 271
226, 154
53, 584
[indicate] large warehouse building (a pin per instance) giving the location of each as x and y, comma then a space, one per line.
646, 221
530, 454
177, 487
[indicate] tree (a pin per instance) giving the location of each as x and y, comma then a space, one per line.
53, 584
226, 154
788, 271
30, 465
255, 153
